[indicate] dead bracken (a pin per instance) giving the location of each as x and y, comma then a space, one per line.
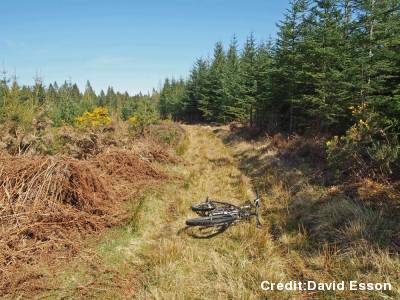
50, 203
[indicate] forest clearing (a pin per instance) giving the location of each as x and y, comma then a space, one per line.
153, 255
222, 150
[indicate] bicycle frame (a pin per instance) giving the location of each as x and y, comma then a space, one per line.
212, 209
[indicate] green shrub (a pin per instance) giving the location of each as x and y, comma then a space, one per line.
65, 113
144, 116
367, 150
18, 114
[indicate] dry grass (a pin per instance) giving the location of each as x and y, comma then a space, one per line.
228, 266
345, 232
310, 232
159, 256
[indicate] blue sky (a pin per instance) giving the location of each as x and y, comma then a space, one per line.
130, 45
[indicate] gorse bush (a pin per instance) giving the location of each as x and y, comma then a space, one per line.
97, 118
133, 122
366, 150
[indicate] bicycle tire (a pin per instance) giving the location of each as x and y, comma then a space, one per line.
203, 207
211, 221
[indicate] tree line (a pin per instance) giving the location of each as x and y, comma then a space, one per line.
63, 104
334, 69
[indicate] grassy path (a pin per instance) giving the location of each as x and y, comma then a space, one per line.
174, 265
154, 257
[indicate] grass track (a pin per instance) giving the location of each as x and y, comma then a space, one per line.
228, 266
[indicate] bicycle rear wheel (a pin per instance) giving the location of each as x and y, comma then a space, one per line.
211, 220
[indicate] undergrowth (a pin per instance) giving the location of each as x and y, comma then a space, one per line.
329, 229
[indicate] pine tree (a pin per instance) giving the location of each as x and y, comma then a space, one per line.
176, 99
263, 79
39, 93
101, 100
326, 54
232, 107
25, 94
164, 99
14, 91
4, 90
196, 91
111, 99
212, 105
172, 99
248, 80
289, 81
75, 93
383, 81
51, 95
89, 96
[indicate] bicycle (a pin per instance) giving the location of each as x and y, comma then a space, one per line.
217, 213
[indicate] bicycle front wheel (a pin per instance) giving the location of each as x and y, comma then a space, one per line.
211, 221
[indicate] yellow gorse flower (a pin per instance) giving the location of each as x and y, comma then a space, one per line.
356, 110
96, 118
333, 141
133, 121
364, 123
